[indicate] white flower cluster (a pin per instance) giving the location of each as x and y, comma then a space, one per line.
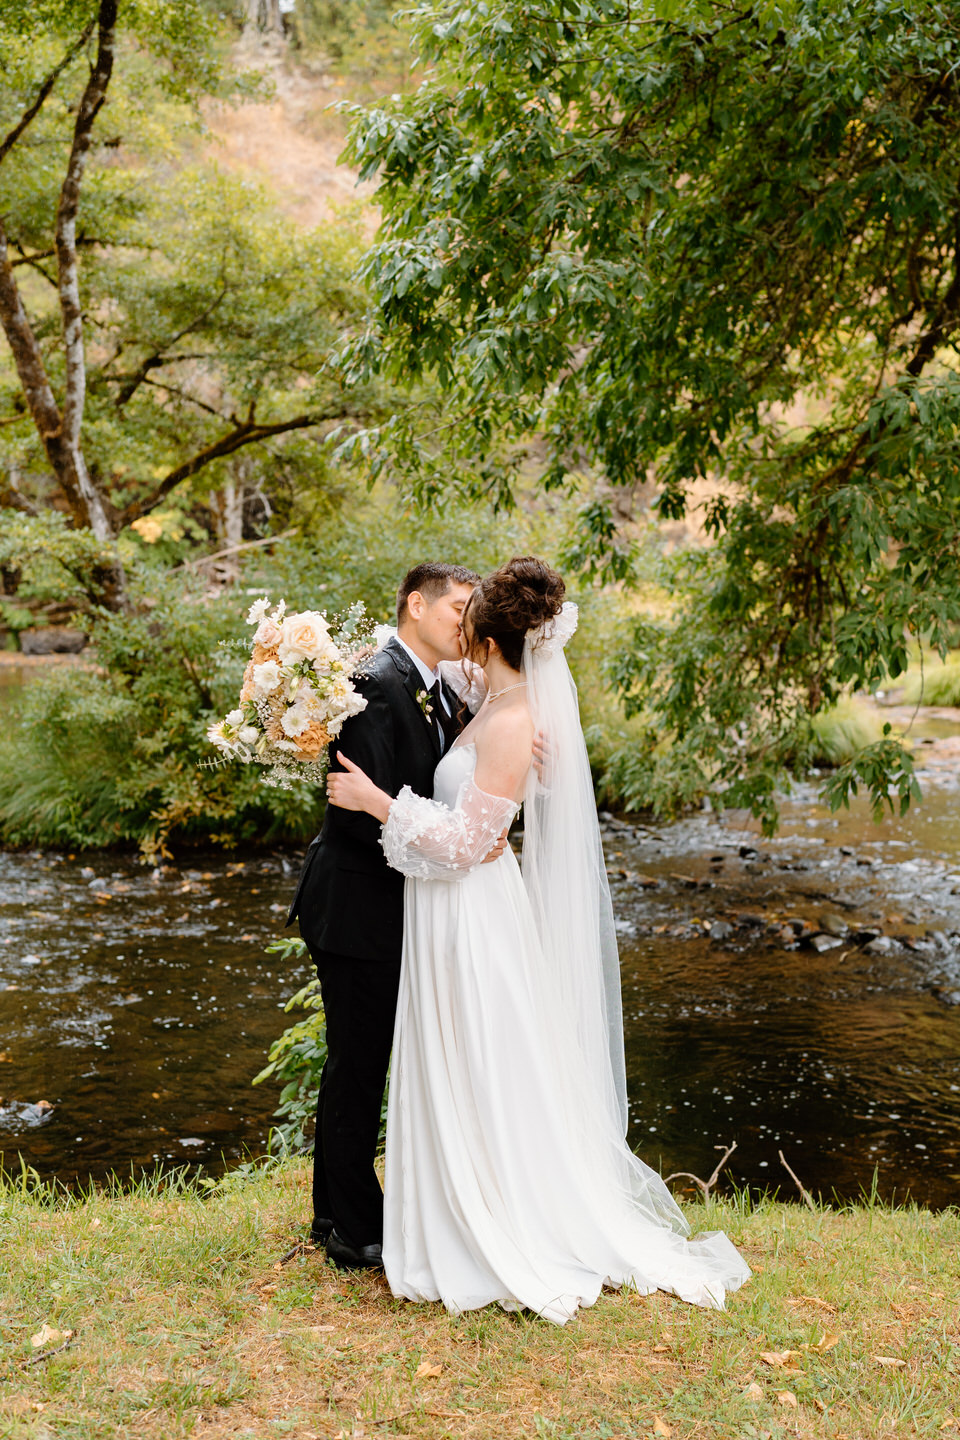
551, 637
297, 692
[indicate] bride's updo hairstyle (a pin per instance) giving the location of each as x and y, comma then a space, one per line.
518, 597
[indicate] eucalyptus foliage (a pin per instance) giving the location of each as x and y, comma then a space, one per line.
700, 244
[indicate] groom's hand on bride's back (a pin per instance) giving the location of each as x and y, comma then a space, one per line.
542, 757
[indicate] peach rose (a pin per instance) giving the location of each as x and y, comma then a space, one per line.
312, 741
249, 688
262, 653
268, 633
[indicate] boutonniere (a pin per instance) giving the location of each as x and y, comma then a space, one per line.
425, 703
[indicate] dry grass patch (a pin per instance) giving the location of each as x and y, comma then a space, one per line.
183, 1325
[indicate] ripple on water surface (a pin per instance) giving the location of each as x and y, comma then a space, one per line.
792, 994
138, 1003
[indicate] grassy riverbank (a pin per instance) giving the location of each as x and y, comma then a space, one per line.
183, 1324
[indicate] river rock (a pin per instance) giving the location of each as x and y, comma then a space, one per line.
52, 640
721, 930
882, 945
822, 942
833, 924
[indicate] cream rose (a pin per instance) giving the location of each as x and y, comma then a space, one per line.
305, 637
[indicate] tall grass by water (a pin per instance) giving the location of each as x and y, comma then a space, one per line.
168, 1314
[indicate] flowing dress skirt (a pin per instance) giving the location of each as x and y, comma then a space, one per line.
495, 1188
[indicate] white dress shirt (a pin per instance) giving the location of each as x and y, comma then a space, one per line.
430, 678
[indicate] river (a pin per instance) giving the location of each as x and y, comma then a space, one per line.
798, 994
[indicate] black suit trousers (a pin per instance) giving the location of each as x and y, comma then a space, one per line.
360, 1004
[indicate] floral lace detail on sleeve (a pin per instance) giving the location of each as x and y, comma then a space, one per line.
427, 840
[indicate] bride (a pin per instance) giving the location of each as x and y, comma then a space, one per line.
508, 1177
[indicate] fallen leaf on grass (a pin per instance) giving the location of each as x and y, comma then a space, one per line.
753, 1392
950, 1422
426, 1371
828, 1341
660, 1427
787, 1397
47, 1335
781, 1359
887, 1360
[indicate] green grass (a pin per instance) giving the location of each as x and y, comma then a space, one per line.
185, 1325
937, 684
842, 732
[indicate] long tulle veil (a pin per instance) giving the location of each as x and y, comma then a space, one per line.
565, 877
563, 864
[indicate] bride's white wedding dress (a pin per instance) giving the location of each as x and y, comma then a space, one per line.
507, 1175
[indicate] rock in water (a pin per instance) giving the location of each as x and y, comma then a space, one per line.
53, 640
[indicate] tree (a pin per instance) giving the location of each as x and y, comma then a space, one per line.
161, 316
697, 243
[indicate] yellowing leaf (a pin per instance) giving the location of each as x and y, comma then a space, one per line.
47, 1335
427, 1371
787, 1397
827, 1341
887, 1360
781, 1359
660, 1427
754, 1392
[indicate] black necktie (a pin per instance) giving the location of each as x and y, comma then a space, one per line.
437, 712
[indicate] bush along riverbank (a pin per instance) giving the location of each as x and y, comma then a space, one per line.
167, 1311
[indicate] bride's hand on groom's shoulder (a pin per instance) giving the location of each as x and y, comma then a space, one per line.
351, 789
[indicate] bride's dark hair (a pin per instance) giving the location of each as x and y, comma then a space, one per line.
520, 595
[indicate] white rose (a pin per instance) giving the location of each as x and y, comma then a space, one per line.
266, 677
249, 734
305, 637
235, 718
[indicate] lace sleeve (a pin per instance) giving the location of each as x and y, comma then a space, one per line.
427, 840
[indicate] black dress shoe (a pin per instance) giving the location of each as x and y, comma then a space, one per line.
351, 1257
319, 1230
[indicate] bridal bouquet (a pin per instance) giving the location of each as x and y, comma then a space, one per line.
297, 691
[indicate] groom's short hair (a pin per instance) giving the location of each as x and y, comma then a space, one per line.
431, 580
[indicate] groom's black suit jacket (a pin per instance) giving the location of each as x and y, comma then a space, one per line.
348, 900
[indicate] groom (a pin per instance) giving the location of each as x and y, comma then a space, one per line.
350, 903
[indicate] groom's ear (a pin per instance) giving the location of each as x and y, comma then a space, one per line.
415, 605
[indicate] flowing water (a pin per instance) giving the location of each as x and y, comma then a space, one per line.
800, 994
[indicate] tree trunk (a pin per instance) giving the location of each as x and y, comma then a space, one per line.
263, 15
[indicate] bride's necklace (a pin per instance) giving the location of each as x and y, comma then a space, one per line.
495, 694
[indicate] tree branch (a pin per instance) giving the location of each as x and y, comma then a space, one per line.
91, 102
132, 382
11, 138
946, 312
26, 352
246, 433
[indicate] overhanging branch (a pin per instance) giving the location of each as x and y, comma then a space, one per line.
247, 433
11, 138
